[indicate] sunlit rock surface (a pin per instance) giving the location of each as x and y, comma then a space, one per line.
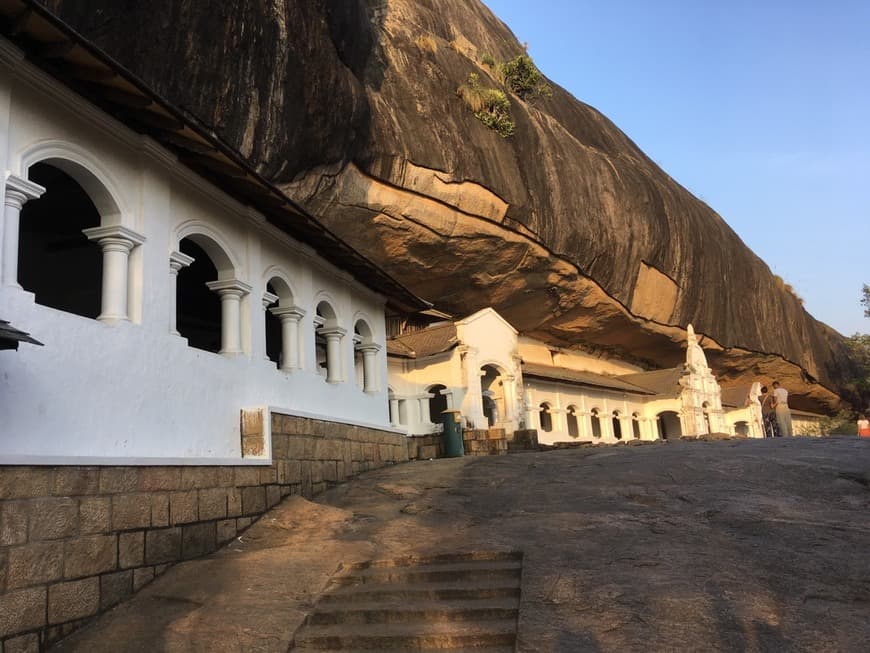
566, 228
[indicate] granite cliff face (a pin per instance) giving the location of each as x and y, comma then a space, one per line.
566, 228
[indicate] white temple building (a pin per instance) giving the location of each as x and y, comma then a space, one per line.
483, 368
171, 285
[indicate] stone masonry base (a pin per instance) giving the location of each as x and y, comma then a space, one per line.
75, 540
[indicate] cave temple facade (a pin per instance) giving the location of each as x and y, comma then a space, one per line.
496, 378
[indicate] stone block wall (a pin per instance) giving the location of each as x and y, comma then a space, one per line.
524, 440
485, 442
77, 540
425, 447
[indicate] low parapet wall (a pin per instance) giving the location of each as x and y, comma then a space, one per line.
77, 540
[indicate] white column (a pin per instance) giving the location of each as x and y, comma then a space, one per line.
531, 411
18, 192
116, 241
177, 260
425, 417
583, 425
289, 316
370, 376
394, 412
231, 292
557, 420
473, 403
333, 337
509, 390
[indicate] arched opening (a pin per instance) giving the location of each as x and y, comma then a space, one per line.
635, 426
617, 425
56, 261
198, 308
669, 425
573, 426
327, 342
546, 417
741, 428
595, 418
492, 389
437, 402
281, 324
274, 340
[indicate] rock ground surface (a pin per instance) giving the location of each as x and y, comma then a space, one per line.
714, 546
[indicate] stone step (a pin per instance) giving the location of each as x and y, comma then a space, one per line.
444, 558
451, 591
416, 636
434, 573
495, 648
421, 611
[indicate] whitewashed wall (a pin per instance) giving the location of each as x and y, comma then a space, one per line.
131, 390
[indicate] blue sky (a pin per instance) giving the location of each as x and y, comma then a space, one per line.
761, 109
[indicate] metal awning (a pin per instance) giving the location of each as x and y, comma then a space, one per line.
10, 336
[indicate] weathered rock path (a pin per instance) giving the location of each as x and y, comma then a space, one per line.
719, 546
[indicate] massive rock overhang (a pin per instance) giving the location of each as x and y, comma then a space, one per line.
60, 51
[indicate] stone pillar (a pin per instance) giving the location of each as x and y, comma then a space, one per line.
370, 369
177, 260
333, 337
289, 316
116, 241
231, 292
18, 192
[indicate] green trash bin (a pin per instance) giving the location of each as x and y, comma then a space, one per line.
452, 434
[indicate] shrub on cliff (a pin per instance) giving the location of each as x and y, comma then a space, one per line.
489, 105
523, 78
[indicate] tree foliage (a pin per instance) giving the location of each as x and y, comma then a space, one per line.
865, 300
859, 386
522, 77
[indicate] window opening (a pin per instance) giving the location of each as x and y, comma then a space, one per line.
56, 261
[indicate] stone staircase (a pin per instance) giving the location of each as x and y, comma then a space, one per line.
455, 602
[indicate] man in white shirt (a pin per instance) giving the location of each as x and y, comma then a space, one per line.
783, 414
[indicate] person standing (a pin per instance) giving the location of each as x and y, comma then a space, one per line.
783, 414
768, 414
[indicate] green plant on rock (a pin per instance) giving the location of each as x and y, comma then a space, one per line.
522, 77
489, 105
